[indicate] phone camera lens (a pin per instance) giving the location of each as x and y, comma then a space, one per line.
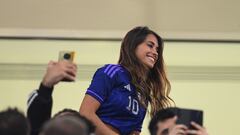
67, 56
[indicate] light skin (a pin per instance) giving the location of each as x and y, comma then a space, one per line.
179, 129
90, 113
173, 129
57, 71
147, 54
200, 130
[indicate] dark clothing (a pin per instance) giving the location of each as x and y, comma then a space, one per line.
39, 108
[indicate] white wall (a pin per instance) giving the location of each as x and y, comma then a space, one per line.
196, 71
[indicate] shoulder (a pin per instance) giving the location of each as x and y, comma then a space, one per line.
110, 70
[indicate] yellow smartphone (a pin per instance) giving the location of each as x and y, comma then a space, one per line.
69, 56
66, 55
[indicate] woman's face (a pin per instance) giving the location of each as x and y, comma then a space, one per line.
146, 52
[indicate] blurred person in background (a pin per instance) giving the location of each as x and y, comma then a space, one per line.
66, 125
40, 101
164, 123
13, 122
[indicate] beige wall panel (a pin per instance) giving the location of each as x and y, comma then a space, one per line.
72, 14
215, 19
98, 52
186, 19
195, 85
41, 51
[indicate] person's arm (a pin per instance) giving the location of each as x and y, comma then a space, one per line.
40, 101
39, 108
88, 109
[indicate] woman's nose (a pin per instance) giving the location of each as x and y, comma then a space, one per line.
154, 51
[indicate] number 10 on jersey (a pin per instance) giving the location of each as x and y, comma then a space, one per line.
133, 105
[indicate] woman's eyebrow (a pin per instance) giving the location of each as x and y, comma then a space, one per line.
153, 43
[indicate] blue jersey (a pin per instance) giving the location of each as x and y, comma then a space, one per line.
120, 107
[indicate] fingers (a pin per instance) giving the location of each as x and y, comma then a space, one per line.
199, 130
197, 126
181, 132
181, 126
175, 118
67, 64
69, 77
179, 129
58, 71
194, 132
70, 69
52, 62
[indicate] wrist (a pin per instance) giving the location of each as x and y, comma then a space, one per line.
45, 91
47, 83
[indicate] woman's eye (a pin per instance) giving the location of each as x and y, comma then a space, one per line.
150, 45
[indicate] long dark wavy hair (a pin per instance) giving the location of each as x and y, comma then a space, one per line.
152, 85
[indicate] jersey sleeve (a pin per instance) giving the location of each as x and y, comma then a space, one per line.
39, 108
103, 82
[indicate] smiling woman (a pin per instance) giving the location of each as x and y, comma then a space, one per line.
119, 94
147, 52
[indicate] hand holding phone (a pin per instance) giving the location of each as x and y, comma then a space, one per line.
68, 56
57, 71
186, 116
